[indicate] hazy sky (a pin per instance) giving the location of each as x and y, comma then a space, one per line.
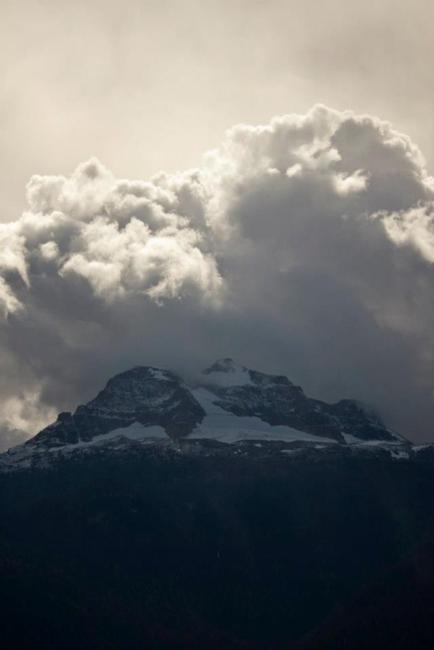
147, 85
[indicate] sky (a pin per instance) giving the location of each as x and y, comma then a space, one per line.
149, 85
301, 243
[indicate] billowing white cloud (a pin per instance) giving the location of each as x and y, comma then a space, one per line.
414, 228
304, 246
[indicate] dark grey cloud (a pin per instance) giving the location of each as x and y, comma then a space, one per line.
305, 246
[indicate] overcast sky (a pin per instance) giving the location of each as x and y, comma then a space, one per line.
301, 244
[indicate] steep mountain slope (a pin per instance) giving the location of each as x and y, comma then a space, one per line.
228, 404
147, 396
277, 401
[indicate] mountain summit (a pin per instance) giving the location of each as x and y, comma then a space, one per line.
229, 404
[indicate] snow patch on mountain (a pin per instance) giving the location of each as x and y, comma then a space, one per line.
224, 426
154, 408
134, 431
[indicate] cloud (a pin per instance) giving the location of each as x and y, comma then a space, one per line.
414, 228
304, 246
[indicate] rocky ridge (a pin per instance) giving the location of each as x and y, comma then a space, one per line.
228, 406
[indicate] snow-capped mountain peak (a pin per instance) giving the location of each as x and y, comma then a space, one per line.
229, 404
145, 395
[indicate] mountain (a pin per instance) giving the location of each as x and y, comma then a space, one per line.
228, 404
230, 512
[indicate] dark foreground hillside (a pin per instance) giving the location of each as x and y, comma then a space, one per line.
168, 550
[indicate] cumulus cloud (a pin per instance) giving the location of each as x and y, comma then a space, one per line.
304, 246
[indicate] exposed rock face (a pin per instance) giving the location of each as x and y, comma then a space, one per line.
244, 400
276, 400
146, 395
